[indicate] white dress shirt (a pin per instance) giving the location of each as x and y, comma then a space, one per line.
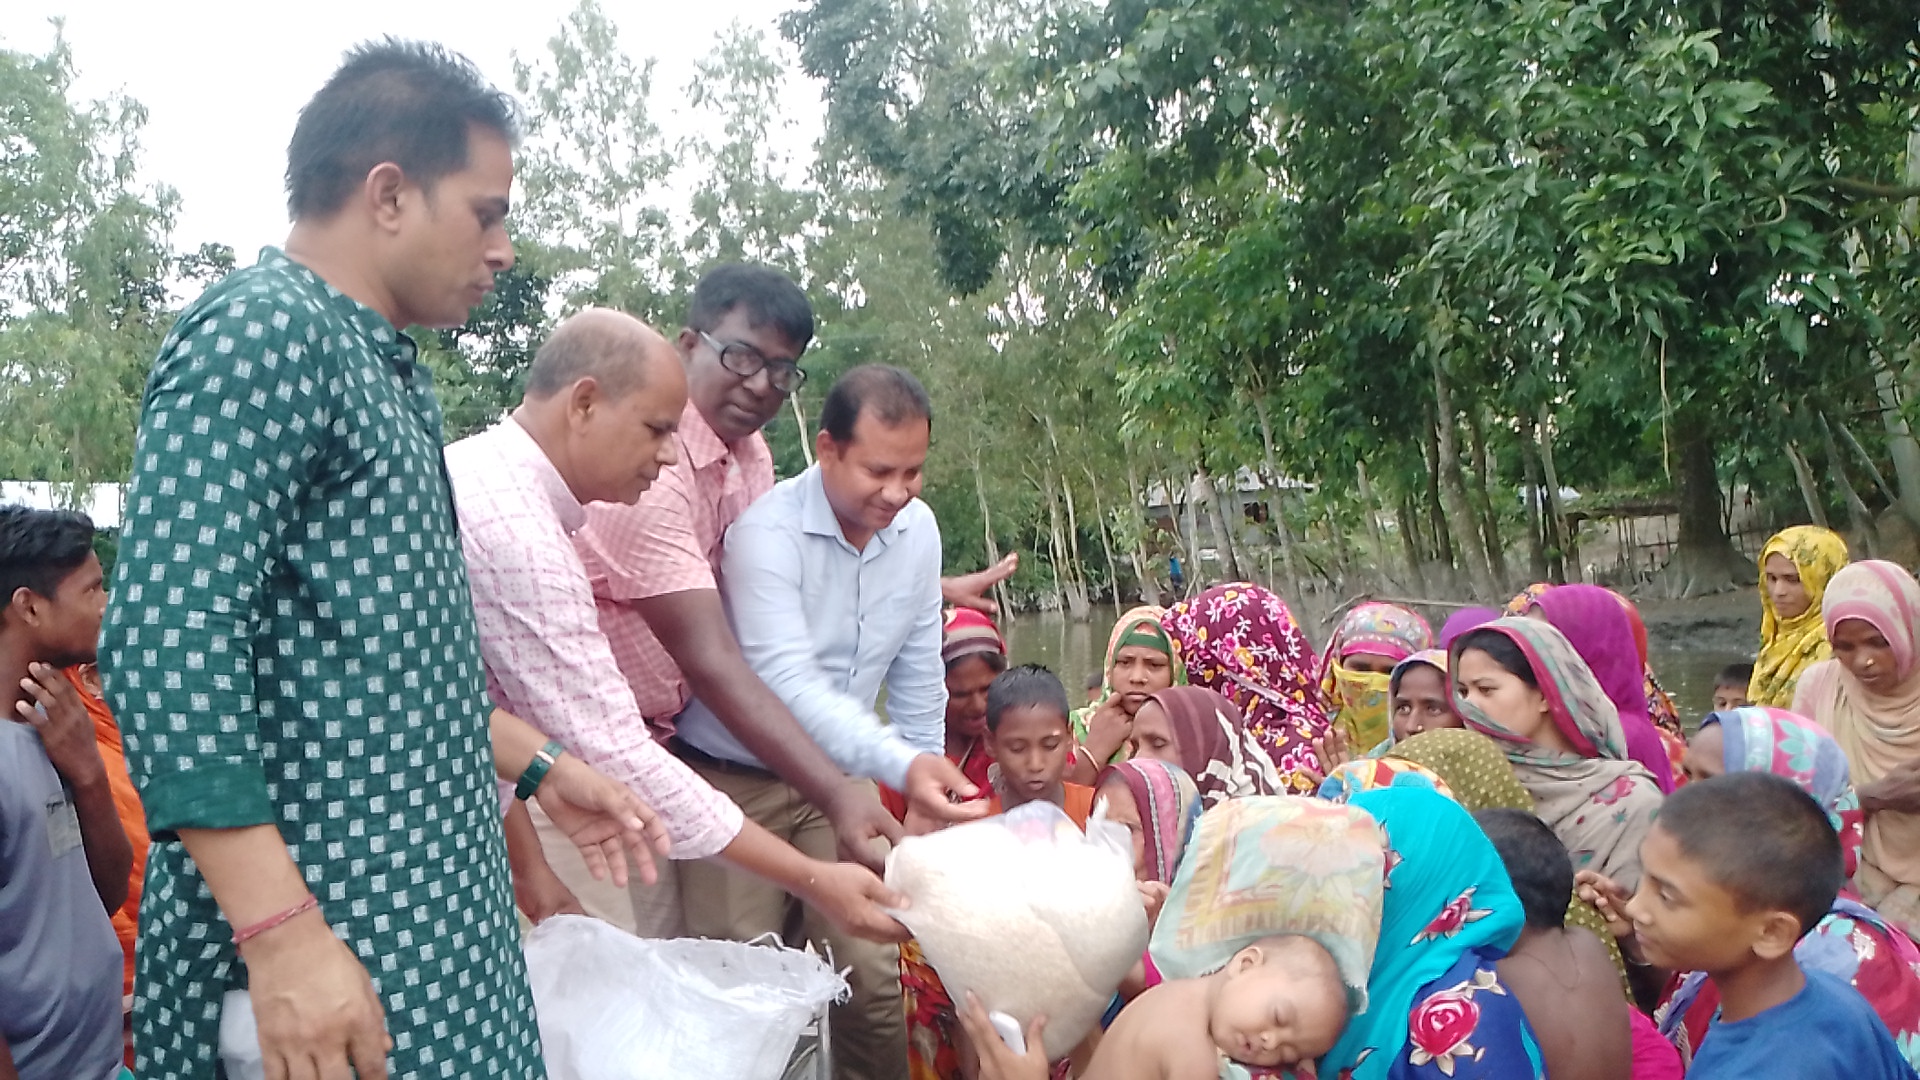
825, 625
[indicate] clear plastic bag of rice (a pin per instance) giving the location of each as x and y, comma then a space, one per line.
1028, 912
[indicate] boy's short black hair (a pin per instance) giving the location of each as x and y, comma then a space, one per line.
40, 548
767, 296
1762, 839
1537, 862
1734, 675
892, 395
408, 102
1023, 686
1096, 680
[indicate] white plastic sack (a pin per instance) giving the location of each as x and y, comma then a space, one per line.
1027, 912
240, 1038
616, 1007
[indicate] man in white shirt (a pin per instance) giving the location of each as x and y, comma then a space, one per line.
832, 583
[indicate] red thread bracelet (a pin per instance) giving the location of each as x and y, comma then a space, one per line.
248, 933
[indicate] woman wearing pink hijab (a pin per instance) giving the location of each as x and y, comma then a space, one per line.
1600, 630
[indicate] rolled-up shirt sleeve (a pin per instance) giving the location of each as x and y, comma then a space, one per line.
548, 663
917, 679
229, 434
762, 574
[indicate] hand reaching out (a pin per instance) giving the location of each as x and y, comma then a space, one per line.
1608, 898
997, 1059
970, 590
604, 819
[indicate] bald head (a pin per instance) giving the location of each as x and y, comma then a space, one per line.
617, 351
603, 400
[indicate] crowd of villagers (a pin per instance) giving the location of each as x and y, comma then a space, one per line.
1495, 851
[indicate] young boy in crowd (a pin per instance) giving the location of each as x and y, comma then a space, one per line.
64, 857
1277, 1003
1736, 869
1031, 741
1730, 687
1566, 983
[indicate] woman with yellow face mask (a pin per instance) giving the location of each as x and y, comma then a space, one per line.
1358, 666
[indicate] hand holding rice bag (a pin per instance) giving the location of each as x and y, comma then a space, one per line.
1027, 912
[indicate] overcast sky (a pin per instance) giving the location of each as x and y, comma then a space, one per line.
224, 79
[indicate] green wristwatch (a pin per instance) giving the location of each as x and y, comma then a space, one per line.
543, 760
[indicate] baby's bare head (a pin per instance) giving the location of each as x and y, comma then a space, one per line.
1280, 1002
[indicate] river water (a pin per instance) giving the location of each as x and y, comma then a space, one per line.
1073, 650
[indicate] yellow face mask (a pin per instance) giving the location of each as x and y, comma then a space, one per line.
1360, 706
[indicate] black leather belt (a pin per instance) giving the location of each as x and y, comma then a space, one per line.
693, 755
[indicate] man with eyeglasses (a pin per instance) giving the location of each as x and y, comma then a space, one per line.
654, 567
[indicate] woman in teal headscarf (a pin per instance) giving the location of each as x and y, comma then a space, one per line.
1434, 1000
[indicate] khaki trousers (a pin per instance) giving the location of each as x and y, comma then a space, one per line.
649, 911
869, 1031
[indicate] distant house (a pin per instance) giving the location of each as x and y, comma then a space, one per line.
1249, 497
104, 503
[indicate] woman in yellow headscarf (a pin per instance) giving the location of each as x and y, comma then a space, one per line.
1355, 673
1795, 567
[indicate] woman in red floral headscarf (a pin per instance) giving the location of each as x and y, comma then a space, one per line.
1240, 641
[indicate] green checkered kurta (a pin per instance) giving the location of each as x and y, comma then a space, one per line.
291, 640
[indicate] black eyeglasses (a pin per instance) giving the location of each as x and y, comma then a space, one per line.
745, 361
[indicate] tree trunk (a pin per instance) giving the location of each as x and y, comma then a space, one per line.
1704, 560
1481, 489
1436, 510
1809, 491
1106, 546
1538, 525
1565, 542
1276, 500
1370, 510
1079, 608
1460, 520
1403, 519
1859, 518
1142, 562
1209, 494
986, 529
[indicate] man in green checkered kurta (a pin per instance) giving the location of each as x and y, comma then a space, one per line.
291, 646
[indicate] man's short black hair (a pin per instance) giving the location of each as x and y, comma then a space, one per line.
40, 548
767, 296
408, 102
1762, 839
1023, 686
892, 395
1537, 862
1740, 675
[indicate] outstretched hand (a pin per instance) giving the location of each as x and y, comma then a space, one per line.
997, 1059
970, 590
938, 792
604, 819
1608, 898
853, 899
858, 820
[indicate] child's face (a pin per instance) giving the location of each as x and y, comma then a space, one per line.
1784, 587
1137, 672
1706, 754
967, 682
1728, 698
1123, 809
1684, 920
1509, 701
1031, 745
1278, 1007
1153, 734
1421, 702
1866, 654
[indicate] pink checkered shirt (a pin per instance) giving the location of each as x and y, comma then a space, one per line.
547, 661
668, 542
